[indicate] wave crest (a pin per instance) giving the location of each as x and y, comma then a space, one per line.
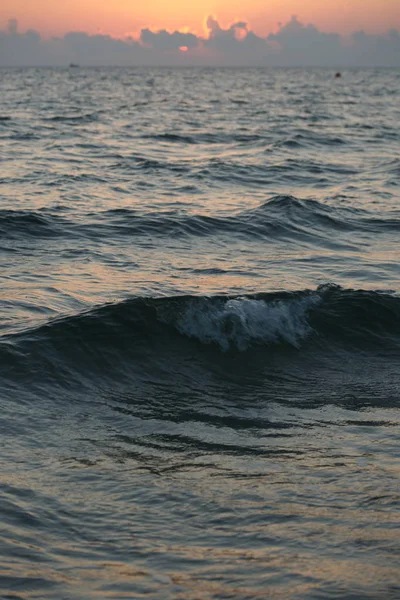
143, 337
240, 322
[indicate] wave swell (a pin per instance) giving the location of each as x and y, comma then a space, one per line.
281, 217
141, 333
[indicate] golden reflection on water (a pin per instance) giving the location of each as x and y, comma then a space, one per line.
134, 466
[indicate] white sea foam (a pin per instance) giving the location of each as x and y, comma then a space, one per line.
240, 322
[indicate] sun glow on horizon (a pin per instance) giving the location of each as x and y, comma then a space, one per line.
51, 18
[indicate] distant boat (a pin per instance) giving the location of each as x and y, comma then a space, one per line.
73, 66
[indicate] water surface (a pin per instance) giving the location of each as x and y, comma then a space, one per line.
200, 334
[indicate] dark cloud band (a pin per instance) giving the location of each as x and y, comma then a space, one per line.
294, 44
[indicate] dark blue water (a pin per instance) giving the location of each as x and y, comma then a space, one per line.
200, 334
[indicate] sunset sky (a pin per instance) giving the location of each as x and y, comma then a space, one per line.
121, 17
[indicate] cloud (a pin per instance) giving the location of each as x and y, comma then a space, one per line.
299, 37
376, 49
83, 48
299, 44
235, 37
16, 48
238, 42
12, 27
294, 44
165, 41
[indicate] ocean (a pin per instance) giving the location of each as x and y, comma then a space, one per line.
200, 334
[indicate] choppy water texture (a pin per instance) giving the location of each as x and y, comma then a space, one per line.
200, 334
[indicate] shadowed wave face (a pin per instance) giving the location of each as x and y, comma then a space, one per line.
199, 334
280, 324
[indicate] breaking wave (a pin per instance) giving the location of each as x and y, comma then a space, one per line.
150, 335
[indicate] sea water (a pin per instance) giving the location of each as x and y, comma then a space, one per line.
200, 334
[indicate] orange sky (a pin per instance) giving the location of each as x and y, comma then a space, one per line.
119, 17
